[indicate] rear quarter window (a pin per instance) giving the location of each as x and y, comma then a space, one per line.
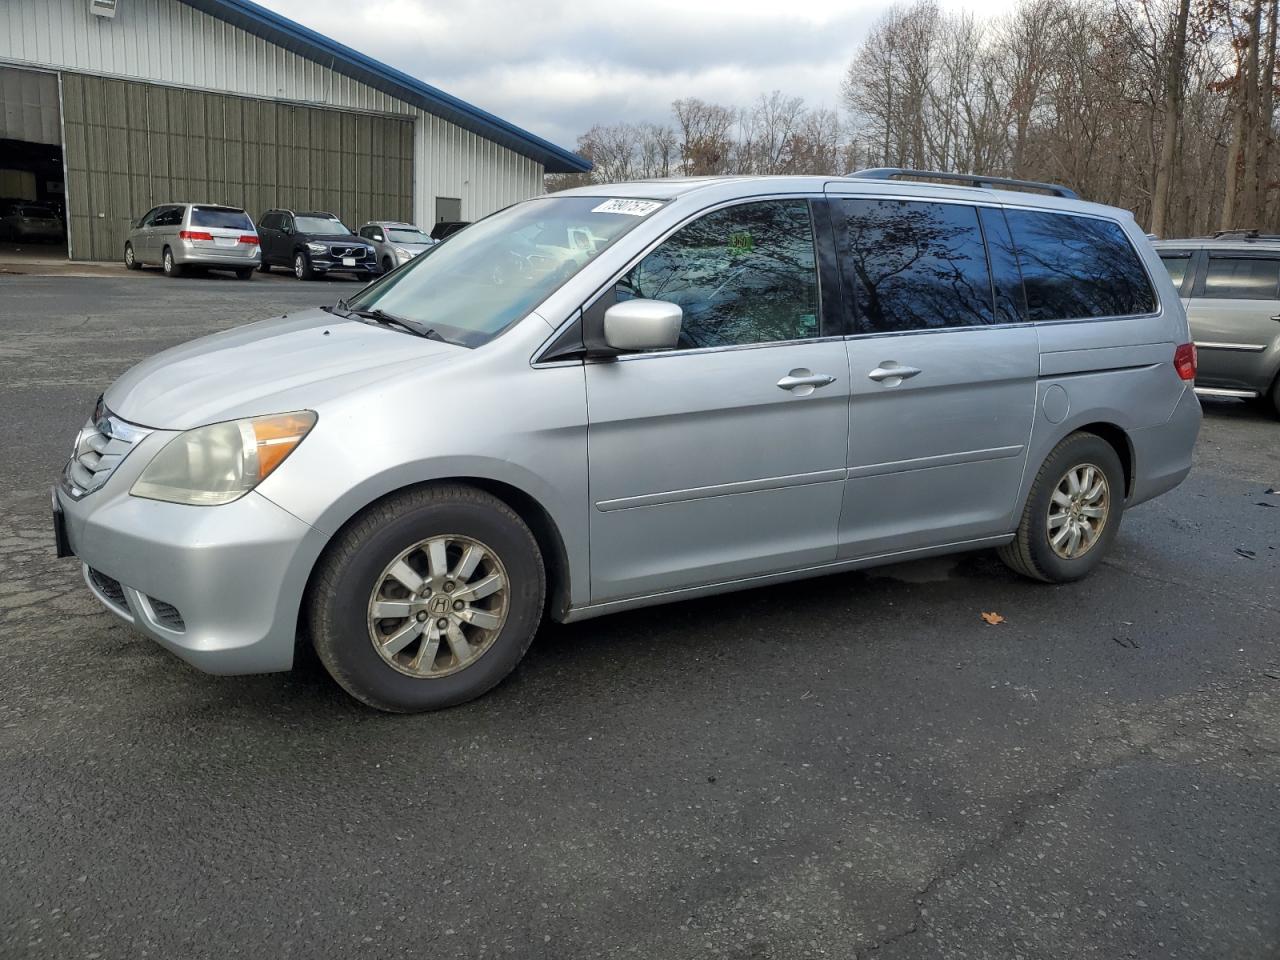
1176, 264
220, 217
1075, 268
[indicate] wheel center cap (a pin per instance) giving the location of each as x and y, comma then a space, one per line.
439, 605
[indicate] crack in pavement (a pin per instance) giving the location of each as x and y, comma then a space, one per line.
1013, 823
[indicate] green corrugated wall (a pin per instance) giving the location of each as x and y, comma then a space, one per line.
130, 146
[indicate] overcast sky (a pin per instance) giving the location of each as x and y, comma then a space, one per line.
555, 67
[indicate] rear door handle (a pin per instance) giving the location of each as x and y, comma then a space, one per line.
1276, 318
801, 382
892, 373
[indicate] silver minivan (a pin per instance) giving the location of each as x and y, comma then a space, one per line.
208, 236
625, 395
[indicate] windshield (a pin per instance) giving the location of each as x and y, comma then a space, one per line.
498, 270
407, 235
220, 217
321, 225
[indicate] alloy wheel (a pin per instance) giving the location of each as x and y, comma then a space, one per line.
1078, 511
439, 606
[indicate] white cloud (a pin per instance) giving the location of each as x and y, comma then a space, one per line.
556, 67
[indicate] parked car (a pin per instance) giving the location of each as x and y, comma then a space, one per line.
182, 236
1230, 284
447, 228
747, 381
395, 243
313, 244
25, 222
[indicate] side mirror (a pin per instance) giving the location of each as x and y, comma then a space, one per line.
287, 229
378, 237
643, 325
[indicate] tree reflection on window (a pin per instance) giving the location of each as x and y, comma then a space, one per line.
745, 274
917, 265
1078, 267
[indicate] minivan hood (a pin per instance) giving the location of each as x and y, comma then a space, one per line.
293, 362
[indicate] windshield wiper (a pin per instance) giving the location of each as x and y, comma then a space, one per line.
378, 315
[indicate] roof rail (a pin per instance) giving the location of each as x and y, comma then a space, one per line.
972, 179
1244, 234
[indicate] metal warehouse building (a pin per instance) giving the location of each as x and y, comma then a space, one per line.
108, 107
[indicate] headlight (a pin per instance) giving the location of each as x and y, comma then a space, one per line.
406, 254
223, 461
317, 248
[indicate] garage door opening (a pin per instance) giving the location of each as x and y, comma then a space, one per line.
33, 208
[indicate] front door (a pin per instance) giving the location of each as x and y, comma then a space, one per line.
942, 375
722, 459
1234, 312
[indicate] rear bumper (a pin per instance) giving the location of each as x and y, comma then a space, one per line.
1162, 454
212, 257
219, 587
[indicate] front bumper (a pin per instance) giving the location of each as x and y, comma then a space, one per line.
220, 587
363, 268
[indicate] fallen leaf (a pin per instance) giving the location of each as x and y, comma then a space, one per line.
992, 618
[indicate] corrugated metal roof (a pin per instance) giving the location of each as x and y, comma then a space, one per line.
342, 59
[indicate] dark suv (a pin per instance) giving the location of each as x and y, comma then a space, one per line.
313, 244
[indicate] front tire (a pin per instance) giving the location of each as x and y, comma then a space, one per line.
1072, 513
1273, 399
130, 260
264, 266
171, 267
302, 266
428, 599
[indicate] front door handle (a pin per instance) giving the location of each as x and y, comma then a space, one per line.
892, 373
1276, 318
802, 383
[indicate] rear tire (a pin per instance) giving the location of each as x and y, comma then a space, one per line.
264, 267
244, 273
1067, 528
424, 536
302, 266
1273, 399
171, 267
130, 261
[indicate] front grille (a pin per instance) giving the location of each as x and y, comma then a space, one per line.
167, 615
109, 587
340, 252
103, 442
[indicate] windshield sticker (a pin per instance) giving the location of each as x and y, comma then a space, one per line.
632, 208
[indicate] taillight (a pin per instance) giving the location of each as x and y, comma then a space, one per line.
194, 235
249, 238
1184, 361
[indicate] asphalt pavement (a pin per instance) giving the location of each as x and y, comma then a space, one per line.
855, 766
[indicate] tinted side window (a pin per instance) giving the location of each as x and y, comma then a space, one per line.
148, 218
1078, 267
1242, 278
170, 217
1006, 278
916, 266
745, 274
1177, 265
